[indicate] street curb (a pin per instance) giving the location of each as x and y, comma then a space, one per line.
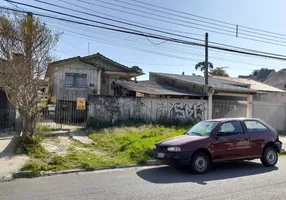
30, 174
148, 163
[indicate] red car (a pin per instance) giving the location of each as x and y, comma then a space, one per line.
221, 140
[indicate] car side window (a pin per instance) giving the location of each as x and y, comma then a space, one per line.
255, 127
230, 128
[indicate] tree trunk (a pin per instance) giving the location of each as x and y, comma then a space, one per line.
28, 125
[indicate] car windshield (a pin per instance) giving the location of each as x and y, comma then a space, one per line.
203, 128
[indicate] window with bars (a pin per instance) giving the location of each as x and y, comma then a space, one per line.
75, 80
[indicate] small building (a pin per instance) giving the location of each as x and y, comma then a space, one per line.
225, 98
72, 80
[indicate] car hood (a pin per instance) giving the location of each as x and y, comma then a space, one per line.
180, 140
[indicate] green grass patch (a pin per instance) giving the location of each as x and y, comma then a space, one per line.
131, 144
112, 147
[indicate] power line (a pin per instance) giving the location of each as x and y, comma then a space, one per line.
185, 49
233, 27
138, 26
123, 44
246, 27
92, 10
136, 14
102, 23
168, 13
135, 32
166, 32
184, 13
268, 39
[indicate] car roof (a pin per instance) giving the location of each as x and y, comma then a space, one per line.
232, 119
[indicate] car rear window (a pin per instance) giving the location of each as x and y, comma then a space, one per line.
255, 127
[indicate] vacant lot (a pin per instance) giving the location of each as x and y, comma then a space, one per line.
110, 147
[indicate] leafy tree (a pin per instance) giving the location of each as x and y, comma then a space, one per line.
25, 51
219, 71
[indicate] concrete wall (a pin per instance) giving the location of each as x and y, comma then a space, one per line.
62, 92
111, 109
229, 109
278, 97
272, 113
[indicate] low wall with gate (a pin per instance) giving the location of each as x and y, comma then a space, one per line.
112, 109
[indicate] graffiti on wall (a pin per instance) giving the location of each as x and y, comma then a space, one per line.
148, 109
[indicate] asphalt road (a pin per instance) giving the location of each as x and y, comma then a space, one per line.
240, 180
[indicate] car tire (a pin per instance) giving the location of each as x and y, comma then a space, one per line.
269, 157
200, 163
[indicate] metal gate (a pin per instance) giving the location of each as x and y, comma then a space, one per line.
7, 119
64, 105
229, 109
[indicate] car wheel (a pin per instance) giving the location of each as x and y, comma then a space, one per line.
270, 157
200, 163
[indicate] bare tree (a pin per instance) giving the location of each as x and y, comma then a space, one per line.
25, 51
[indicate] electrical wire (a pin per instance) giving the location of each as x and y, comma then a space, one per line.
115, 17
141, 34
121, 43
261, 39
139, 31
200, 17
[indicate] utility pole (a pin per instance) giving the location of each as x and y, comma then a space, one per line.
206, 59
204, 66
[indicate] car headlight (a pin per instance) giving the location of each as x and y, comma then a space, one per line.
155, 146
174, 149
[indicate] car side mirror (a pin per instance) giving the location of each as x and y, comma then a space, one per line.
220, 134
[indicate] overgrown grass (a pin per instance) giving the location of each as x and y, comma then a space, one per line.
112, 147
132, 145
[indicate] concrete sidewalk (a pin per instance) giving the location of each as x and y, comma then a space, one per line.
282, 138
9, 162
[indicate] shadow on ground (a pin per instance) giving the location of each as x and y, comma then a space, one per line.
166, 174
68, 133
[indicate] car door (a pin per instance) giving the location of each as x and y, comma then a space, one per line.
230, 142
256, 132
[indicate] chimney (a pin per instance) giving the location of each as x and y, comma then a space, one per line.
183, 73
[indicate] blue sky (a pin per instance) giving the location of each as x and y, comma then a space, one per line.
168, 57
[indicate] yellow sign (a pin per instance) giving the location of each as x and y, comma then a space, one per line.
80, 104
53, 99
44, 103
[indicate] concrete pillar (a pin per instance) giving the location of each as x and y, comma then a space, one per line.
98, 81
210, 106
249, 112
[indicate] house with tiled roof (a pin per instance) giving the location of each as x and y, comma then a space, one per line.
278, 80
72, 80
254, 85
259, 75
217, 92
